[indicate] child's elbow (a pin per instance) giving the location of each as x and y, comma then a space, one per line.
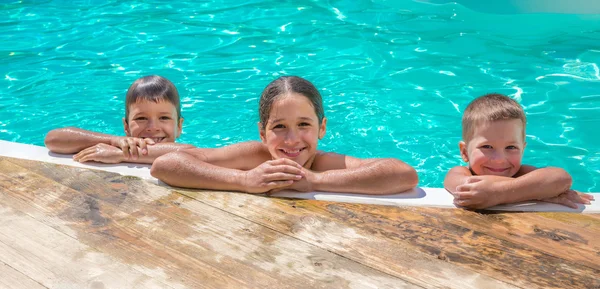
408, 176
412, 177
160, 167
563, 180
51, 141
56, 142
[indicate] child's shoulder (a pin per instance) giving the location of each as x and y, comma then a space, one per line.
524, 169
252, 149
325, 161
461, 170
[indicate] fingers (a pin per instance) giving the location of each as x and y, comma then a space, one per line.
577, 197
142, 146
275, 186
562, 199
584, 196
284, 161
84, 155
567, 202
124, 145
462, 202
472, 179
284, 169
279, 184
133, 148
88, 156
463, 188
282, 177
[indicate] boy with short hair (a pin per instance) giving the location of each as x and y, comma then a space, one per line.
152, 122
493, 144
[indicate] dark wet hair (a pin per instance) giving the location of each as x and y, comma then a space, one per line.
284, 85
152, 88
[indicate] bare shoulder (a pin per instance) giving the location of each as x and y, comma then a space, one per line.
325, 161
455, 177
459, 170
525, 169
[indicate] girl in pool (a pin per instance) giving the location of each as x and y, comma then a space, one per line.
291, 123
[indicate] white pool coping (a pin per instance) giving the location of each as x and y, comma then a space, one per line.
419, 197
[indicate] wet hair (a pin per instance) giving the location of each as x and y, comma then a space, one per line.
152, 88
488, 108
286, 85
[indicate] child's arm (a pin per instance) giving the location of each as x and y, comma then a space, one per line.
239, 167
479, 192
345, 174
72, 140
110, 154
456, 176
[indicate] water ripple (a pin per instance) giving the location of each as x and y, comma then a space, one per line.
395, 75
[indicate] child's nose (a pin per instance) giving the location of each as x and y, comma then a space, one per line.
291, 137
498, 156
152, 125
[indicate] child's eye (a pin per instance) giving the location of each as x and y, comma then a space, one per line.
279, 126
304, 124
512, 148
165, 117
486, 147
141, 118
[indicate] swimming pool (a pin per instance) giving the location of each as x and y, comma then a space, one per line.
395, 75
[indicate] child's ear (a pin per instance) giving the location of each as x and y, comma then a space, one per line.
323, 128
462, 146
179, 127
261, 132
125, 126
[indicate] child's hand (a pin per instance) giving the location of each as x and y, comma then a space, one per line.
102, 153
133, 146
305, 184
570, 199
478, 192
272, 175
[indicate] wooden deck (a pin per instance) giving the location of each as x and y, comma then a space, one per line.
66, 227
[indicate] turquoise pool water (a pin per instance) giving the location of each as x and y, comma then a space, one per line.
395, 75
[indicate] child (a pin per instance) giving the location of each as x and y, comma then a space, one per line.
493, 143
291, 123
152, 122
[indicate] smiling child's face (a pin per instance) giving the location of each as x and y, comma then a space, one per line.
496, 148
154, 120
293, 129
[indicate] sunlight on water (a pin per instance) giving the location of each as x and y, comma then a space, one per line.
395, 75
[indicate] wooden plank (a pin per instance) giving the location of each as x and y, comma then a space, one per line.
416, 267
567, 236
55, 260
184, 241
463, 238
13, 279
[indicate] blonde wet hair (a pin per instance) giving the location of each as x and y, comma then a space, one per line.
489, 108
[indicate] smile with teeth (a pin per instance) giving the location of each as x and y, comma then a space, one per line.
156, 139
496, 170
291, 152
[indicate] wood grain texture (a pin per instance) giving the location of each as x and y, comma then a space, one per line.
153, 229
524, 249
206, 239
13, 279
